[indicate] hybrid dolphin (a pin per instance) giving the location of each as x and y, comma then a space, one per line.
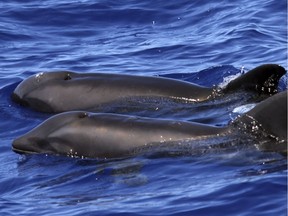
56, 92
89, 135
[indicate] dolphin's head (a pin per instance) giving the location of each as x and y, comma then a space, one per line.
60, 135
26, 92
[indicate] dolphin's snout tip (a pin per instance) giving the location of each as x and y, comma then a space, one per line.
17, 99
17, 145
20, 146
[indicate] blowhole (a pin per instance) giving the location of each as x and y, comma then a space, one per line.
68, 77
83, 115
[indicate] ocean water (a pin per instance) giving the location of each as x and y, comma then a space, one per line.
204, 42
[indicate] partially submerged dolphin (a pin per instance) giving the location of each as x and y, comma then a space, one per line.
89, 135
66, 91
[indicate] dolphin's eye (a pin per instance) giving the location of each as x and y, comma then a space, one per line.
83, 115
67, 77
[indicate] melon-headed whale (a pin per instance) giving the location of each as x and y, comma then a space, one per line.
56, 92
84, 134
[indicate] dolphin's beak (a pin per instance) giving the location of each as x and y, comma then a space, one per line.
16, 98
18, 145
22, 145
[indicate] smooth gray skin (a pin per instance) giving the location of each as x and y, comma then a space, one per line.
104, 135
91, 135
56, 92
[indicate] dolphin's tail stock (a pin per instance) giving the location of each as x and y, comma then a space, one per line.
263, 79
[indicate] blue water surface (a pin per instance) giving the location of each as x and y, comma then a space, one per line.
202, 42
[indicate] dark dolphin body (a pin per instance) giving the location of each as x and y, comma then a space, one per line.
90, 135
67, 91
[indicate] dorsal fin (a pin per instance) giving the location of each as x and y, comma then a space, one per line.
263, 79
271, 115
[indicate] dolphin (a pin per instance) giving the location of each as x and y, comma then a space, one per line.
55, 92
90, 135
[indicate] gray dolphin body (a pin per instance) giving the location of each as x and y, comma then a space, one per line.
67, 91
91, 135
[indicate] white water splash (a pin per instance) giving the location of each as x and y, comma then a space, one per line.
228, 79
244, 108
